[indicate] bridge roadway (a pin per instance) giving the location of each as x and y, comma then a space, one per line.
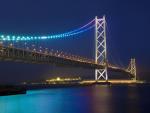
32, 56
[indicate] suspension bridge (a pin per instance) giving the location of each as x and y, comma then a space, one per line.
31, 55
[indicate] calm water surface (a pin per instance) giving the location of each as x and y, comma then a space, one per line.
92, 99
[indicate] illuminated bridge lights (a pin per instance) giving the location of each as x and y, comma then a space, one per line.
61, 79
80, 30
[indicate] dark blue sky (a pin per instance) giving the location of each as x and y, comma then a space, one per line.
128, 32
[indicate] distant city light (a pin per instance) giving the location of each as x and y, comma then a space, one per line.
58, 79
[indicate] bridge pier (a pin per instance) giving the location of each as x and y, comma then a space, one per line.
101, 73
132, 68
100, 48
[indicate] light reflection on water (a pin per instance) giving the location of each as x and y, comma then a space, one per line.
92, 99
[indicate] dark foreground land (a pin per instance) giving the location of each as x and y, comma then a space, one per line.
11, 90
21, 89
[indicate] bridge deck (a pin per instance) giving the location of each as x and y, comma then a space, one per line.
28, 56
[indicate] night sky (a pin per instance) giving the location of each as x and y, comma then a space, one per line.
128, 32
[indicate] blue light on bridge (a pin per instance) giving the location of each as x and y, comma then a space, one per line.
80, 30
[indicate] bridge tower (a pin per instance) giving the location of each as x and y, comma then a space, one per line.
132, 68
100, 48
